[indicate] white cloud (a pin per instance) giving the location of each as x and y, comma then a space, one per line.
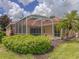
61, 7
13, 10
75, 4
25, 2
0, 14
57, 7
4, 4
16, 12
45, 7
26, 13
42, 9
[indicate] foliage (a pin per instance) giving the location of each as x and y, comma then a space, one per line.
25, 44
4, 21
70, 22
1, 28
2, 34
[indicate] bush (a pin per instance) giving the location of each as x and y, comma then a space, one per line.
27, 44
2, 34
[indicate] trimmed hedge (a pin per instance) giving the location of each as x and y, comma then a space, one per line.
25, 44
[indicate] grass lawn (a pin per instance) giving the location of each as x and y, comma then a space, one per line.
6, 54
68, 50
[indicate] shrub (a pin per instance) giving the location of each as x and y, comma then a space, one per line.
27, 44
2, 34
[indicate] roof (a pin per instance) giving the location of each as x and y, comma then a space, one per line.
36, 16
36, 20
43, 22
12, 23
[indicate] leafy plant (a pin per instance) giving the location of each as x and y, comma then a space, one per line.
69, 23
25, 44
2, 34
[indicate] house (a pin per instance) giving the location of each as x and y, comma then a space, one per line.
35, 25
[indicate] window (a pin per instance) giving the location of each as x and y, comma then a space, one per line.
35, 31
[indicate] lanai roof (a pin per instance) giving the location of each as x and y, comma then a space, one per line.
42, 22
36, 20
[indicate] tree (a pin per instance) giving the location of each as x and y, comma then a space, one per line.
4, 21
69, 23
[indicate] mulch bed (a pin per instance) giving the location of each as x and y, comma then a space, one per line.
57, 42
45, 56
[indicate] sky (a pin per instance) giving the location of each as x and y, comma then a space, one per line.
17, 9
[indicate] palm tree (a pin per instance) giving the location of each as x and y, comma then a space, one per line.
69, 23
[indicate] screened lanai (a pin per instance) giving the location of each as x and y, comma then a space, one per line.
36, 26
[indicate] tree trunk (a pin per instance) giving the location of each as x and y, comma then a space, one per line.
76, 35
67, 35
62, 35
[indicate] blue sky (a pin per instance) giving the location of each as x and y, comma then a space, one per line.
30, 7
1, 10
17, 9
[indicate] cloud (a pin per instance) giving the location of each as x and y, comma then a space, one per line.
57, 7
4, 4
45, 7
16, 11
75, 4
0, 14
25, 2
13, 10
42, 9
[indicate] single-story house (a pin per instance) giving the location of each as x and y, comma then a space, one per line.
35, 25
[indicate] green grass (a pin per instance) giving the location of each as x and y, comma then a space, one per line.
6, 54
68, 50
